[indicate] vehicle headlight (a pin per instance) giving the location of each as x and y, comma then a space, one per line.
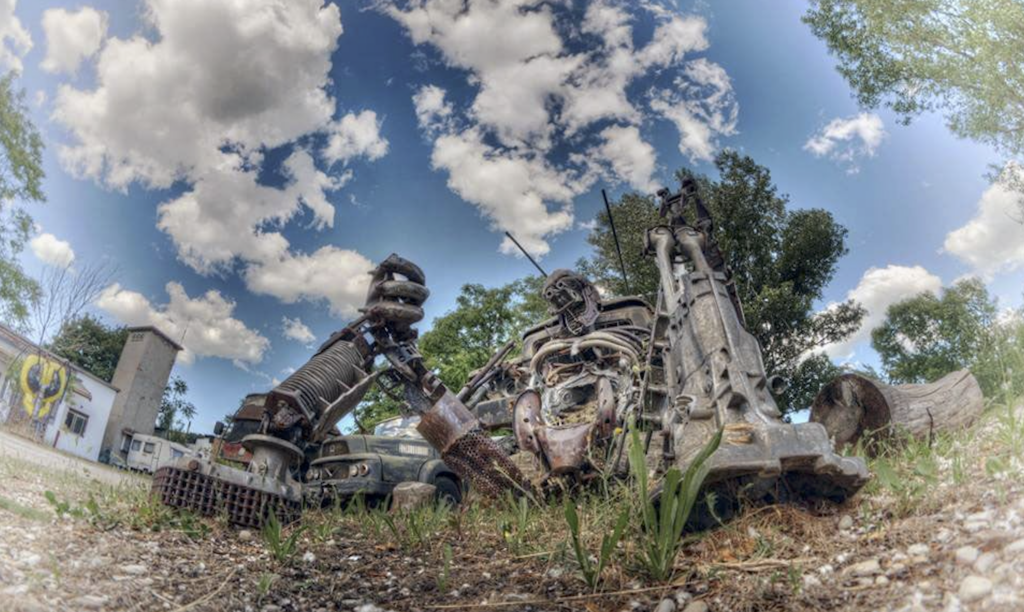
364, 469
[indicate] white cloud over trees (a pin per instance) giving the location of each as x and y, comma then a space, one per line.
541, 79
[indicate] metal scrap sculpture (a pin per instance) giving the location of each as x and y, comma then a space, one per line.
304, 409
680, 372
712, 369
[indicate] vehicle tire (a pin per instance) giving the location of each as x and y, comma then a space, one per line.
448, 491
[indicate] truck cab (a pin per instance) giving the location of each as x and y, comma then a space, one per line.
372, 465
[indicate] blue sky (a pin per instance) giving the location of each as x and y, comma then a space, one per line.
263, 158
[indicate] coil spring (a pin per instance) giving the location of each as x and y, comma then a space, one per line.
325, 376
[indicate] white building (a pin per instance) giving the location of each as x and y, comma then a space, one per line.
45, 397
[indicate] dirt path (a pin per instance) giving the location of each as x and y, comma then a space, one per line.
19, 448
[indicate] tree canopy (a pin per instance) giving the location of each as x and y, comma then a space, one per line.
959, 57
91, 345
21, 176
781, 260
927, 336
174, 404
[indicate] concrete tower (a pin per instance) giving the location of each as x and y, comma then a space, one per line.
141, 375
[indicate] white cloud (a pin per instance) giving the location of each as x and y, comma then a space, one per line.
702, 107
846, 140
878, 289
218, 84
544, 81
630, 156
204, 325
15, 41
356, 136
993, 240
295, 329
50, 250
339, 276
72, 37
511, 189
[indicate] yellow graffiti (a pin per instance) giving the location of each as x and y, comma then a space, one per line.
42, 384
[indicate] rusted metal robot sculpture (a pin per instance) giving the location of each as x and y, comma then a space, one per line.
305, 408
714, 374
681, 372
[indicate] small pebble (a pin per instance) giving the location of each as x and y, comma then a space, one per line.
984, 562
864, 568
882, 581
666, 605
245, 535
696, 606
846, 522
974, 588
967, 555
134, 570
919, 550
1014, 548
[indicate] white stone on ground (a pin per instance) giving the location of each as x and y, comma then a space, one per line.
974, 588
967, 555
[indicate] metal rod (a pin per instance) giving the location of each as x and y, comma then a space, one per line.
534, 262
615, 236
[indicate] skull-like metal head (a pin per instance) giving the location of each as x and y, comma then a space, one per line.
573, 299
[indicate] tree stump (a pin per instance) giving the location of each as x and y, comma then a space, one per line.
854, 407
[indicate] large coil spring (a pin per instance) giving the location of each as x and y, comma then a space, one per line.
324, 377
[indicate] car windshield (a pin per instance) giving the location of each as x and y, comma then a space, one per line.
240, 428
398, 427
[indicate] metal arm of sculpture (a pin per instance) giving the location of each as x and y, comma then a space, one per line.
309, 403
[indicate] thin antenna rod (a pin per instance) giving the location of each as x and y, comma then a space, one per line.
615, 236
535, 264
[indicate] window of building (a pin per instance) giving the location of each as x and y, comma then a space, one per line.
75, 422
126, 441
137, 336
148, 448
136, 445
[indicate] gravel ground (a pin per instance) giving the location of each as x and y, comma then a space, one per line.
960, 547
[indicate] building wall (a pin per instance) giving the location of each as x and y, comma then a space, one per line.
86, 394
91, 399
141, 375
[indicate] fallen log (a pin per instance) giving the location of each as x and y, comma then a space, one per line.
854, 407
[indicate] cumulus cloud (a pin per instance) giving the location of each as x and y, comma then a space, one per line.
544, 80
72, 36
216, 85
630, 156
356, 136
702, 107
295, 329
878, 289
341, 277
51, 250
847, 140
204, 325
993, 240
15, 41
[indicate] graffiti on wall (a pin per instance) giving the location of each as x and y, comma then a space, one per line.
42, 383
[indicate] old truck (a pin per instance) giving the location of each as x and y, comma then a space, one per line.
372, 465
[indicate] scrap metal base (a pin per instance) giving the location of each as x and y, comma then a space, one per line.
782, 463
210, 489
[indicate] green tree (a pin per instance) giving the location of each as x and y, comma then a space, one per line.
91, 345
958, 57
781, 261
925, 337
464, 339
173, 405
21, 176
